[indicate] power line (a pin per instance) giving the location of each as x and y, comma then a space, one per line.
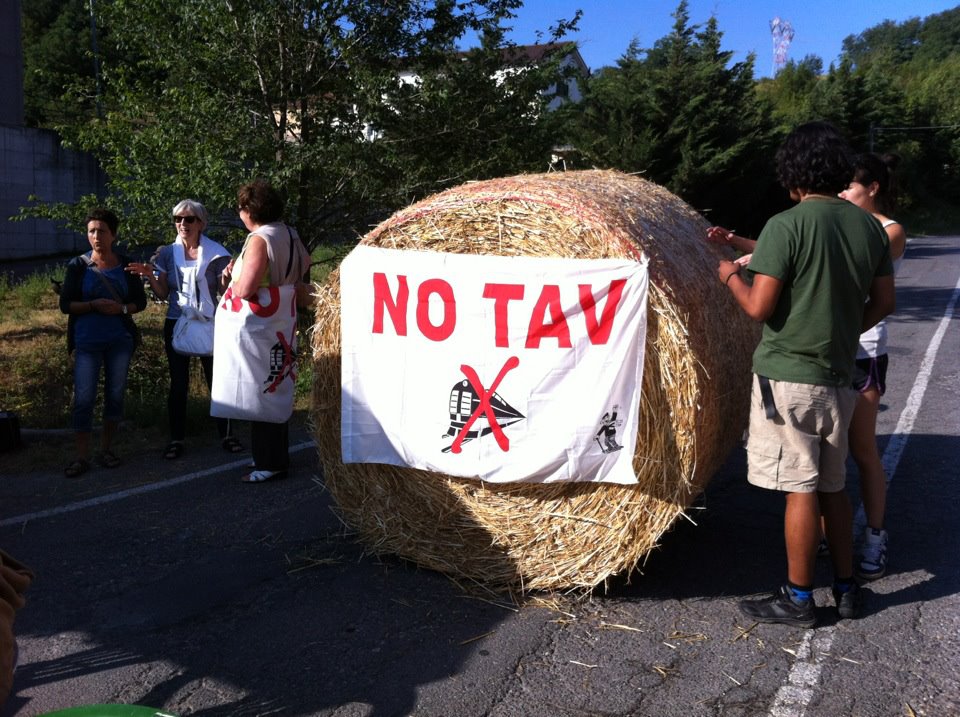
874, 130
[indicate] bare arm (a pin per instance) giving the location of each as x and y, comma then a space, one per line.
898, 240
719, 235
304, 289
881, 301
254, 267
158, 284
757, 300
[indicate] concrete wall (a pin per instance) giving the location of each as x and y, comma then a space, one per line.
33, 162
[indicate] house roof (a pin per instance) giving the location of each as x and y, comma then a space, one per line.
532, 54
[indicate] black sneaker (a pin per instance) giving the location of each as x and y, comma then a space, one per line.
780, 607
848, 603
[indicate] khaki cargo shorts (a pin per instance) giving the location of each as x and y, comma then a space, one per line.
803, 448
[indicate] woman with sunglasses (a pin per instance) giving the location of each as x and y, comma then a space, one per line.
188, 267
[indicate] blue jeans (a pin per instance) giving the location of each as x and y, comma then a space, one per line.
115, 359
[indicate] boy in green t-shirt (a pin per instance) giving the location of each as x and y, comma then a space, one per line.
815, 265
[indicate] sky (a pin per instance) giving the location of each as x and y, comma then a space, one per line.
820, 26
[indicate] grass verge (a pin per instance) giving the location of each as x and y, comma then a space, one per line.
36, 376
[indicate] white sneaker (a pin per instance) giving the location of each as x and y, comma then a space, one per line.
873, 559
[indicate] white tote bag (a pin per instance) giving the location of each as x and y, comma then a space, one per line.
254, 364
193, 333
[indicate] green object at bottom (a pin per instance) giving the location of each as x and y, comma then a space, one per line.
109, 711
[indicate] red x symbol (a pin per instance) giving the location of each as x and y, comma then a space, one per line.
287, 367
484, 405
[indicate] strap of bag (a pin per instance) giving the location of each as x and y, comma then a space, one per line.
126, 319
290, 257
96, 270
766, 394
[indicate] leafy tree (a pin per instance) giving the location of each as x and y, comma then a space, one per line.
890, 41
476, 114
789, 91
200, 95
57, 53
608, 127
686, 117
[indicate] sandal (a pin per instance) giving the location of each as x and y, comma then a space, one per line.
173, 451
232, 445
77, 468
263, 476
109, 460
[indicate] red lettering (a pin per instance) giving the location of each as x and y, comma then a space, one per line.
538, 330
600, 332
445, 292
231, 302
234, 303
265, 310
502, 294
397, 308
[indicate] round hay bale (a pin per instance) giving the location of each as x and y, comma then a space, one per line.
694, 395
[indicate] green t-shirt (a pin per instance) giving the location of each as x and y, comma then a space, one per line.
826, 252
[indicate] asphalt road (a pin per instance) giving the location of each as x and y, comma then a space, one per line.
175, 586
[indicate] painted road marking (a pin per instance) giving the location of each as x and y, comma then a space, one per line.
139, 490
796, 693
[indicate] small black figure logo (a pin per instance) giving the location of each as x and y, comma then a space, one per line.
606, 437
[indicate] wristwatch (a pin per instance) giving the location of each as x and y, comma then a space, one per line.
124, 308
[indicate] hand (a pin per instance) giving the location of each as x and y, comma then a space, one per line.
743, 260
719, 235
109, 307
725, 269
141, 269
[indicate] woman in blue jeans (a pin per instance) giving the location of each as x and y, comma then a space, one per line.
100, 297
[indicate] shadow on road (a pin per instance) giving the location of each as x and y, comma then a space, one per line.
252, 603
737, 546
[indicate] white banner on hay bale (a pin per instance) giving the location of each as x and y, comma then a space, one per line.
492, 367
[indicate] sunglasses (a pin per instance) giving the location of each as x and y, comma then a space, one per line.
188, 220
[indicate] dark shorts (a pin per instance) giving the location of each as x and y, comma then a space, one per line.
871, 372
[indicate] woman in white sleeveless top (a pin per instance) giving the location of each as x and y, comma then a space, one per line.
272, 256
872, 189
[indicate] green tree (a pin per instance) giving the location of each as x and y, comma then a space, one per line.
476, 114
684, 115
789, 91
200, 95
57, 53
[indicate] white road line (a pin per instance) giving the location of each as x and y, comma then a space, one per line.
793, 696
139, 490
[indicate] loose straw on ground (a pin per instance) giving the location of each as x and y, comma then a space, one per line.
566, 536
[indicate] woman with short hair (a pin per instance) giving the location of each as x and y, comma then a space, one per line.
100, 300
189, 269
272, 257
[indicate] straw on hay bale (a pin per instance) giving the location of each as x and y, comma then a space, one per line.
695, 389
